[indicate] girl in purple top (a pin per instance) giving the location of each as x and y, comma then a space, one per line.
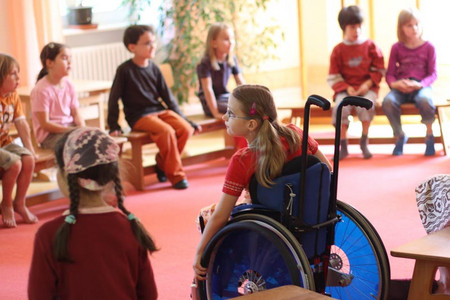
215, 69
410, 73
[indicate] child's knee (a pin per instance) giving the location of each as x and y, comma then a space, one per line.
14, 168
28, 162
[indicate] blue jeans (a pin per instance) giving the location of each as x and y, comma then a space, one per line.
422, 99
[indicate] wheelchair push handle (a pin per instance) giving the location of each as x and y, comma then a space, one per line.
318, 101
357, 101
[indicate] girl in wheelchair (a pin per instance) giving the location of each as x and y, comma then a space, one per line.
252, 114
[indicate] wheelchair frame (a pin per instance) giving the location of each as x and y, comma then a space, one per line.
354, 266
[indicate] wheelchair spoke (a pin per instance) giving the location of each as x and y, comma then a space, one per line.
358, 251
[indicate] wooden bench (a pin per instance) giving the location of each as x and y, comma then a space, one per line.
430, 252
407, 110
140, 139
287, 292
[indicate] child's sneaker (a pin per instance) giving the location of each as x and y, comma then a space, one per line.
398, 149
429, 142
363, 142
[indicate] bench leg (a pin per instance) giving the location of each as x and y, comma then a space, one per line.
422, 282
442, 119
138, 170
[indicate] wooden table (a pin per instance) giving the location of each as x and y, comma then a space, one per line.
287, 292
430, 252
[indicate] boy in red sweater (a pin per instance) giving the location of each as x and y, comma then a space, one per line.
356, 69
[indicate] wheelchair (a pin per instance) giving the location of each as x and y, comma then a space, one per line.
297, 232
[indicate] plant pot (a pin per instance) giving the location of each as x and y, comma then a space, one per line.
80, 15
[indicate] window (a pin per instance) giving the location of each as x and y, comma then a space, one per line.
112, 13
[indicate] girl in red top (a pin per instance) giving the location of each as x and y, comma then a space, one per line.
252, 114
93, 251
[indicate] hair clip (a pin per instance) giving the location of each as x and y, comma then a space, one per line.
265, 118
132, 217
51, 45
70, 219
253, 109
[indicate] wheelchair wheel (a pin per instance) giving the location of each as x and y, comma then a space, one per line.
359, 265
250, 254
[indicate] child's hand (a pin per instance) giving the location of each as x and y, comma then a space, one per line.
115, 133
351, 91
401, 85
198, 129
200, 272
413, 85
218, 115
363, 89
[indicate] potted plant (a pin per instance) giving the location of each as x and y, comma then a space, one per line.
80, 15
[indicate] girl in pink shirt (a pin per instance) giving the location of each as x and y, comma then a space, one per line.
252, 114
54, 103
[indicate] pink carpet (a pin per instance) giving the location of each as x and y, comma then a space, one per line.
381, 188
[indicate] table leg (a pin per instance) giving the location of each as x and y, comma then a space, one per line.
422, 282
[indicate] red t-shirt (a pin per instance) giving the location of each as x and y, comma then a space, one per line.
243, 163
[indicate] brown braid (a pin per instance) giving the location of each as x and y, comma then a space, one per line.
139, 231
61, 240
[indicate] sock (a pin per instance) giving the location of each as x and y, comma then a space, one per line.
363, 142
344, 149
429, 142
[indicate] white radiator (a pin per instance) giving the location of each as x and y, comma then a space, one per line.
98, 62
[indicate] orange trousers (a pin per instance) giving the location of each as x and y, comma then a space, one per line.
170, 132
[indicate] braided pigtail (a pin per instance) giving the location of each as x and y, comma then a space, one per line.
61, 239
139, 230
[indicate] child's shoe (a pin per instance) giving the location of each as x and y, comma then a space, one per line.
344, 149
181, 185
160, 174
398, 149
429, 142
363, 142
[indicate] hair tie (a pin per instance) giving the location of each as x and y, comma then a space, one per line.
132, 217
70, 219
253, 109
265, 118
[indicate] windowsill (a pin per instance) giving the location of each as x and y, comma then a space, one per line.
101, 28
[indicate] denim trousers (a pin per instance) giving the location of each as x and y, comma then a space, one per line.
422, 99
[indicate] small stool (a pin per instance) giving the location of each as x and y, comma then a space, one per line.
430, 252
287, 292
